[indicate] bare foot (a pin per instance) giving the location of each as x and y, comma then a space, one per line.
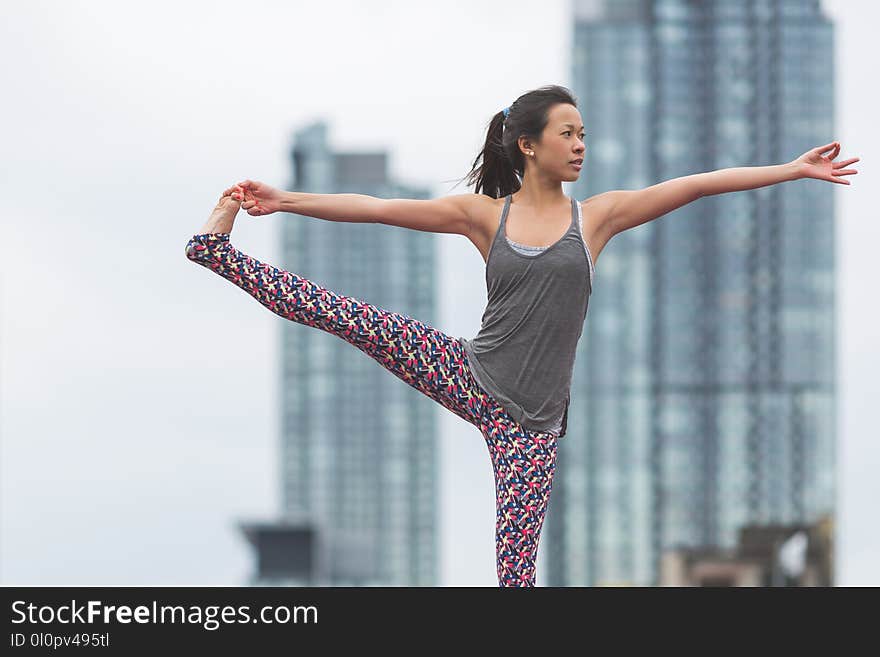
222, 217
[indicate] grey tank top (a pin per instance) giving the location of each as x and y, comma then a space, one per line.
524, 352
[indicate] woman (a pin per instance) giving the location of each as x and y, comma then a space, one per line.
512, 380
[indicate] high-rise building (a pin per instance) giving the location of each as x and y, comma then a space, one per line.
358, 454
704, 391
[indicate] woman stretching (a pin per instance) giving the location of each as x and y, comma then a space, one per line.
512, 380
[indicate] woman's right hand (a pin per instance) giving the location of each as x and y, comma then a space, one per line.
257, 198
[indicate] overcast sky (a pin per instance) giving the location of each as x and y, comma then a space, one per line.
138, 397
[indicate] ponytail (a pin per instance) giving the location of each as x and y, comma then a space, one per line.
503, 165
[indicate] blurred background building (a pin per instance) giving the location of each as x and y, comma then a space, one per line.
704, 396
767, 555
358, 454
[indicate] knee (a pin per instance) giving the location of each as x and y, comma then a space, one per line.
201, 248
193, 248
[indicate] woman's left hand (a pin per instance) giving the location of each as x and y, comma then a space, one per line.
813, 164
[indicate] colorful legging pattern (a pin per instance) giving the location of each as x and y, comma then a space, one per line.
433, 363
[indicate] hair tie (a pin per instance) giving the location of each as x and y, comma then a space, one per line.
506, 111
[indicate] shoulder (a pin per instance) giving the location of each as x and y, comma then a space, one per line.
484, 213
602, 204
600, 208
598, 218
480, 209
479, 204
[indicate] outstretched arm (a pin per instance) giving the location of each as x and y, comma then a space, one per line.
260, 199
630, 208
449, 214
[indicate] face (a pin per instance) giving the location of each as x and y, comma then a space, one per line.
561, 142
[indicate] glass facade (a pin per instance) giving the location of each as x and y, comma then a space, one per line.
704, 392
358, 447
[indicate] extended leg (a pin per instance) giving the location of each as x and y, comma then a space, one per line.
427, 359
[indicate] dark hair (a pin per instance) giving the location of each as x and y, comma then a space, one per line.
503, 165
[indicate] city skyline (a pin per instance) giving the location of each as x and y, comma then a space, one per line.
116, 161
704, 383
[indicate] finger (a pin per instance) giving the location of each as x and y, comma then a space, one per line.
825, 148
846, 163
232, 191
844, 172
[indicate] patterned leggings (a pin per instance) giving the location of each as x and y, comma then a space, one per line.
433, 363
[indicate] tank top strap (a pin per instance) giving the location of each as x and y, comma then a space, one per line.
572, 226
507, 201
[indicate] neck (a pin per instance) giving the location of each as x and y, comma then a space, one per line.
540, 196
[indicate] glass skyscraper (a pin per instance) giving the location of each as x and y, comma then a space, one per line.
704, 393
358, 451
